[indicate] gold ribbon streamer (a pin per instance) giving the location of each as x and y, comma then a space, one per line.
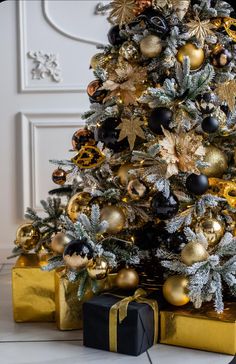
121, 308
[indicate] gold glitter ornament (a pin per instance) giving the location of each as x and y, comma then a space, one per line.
27, 236
129, 51
98, 268
115, 218
193, 252
196, 55
217, 161
151, 46
175, 290
99, 60
212, 229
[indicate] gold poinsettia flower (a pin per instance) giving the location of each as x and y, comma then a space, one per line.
181, 152
200, 29
125, 83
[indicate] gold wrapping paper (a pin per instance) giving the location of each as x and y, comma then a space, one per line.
202, 329
120, 309
33, 290
68, 307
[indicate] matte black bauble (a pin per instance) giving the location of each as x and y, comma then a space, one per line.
109, 135
197, 184
220, 56
79, 247
160, 117
207, 102
210, 124
114, 37
154, 21
164, 207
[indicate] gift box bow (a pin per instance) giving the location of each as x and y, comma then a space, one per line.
121, 309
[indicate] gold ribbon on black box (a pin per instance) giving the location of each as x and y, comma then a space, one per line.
121, 309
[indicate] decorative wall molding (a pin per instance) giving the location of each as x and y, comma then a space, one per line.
58, 28
46, 65
31, 122
24, 75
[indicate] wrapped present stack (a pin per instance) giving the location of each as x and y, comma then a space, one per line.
148, 196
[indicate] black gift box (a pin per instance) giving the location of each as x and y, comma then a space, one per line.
135, 334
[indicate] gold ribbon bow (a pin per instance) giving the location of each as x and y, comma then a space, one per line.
121, 308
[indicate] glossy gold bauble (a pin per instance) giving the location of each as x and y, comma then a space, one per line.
212, 229
136, 189
217, 161
58, 243
115, 218
98, 268
27, 236
76, 262
59, 176
77, 204
123, 173
175, 290
193, 252
129, 51
196, 55
127, 278
151, 46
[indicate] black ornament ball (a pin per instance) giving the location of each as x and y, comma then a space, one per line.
154, 21
79, 247
175, 242
164, 207
210, 124
114, 37
109, 135
220, 56
160, 117
207, 102
82, 137
197, 184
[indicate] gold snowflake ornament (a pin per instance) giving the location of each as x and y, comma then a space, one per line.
200, 29
131, 129
122, 11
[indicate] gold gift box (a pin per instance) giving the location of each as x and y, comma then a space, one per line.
68, 307
202, 329
33, 290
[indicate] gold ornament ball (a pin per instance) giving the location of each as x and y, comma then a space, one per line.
77, 204
58, 243
98, 60
212, 229
217, 162
27, 236
59, 176
136, 189
123, 173
196, 55
151, 46
76, 262
115, 217
98, 268
127, 278
193, 252
175, 290
129, 51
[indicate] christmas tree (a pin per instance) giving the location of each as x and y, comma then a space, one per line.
150, 186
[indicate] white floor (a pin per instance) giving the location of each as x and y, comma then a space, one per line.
44, 344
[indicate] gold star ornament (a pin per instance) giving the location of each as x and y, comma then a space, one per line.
200, 29
131, 129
